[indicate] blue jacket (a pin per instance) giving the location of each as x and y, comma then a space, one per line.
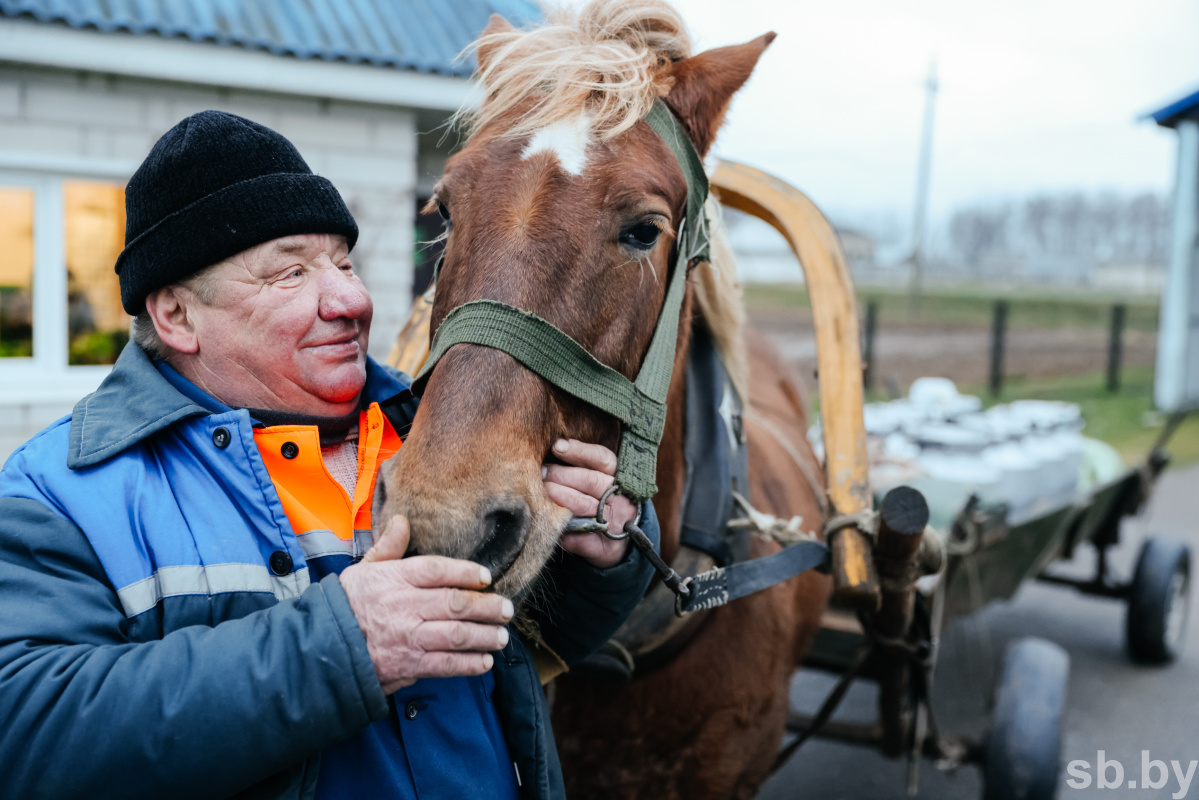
147, 649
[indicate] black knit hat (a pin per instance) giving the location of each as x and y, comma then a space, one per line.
214, 185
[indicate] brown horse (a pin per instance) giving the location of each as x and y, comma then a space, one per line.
565, 203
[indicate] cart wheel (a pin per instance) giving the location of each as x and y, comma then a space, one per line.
1158, 600
1023, 754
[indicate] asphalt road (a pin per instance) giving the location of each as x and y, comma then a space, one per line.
1113, 705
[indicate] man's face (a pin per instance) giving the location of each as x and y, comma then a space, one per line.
287, 330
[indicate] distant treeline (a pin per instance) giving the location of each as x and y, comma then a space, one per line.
1100, 228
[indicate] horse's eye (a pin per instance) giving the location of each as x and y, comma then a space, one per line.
443, 212
642, 236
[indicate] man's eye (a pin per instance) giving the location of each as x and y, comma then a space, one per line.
641, 236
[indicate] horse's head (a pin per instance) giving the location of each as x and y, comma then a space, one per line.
566, 204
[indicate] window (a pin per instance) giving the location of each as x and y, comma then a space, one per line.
16, 272
94, 228
61, 321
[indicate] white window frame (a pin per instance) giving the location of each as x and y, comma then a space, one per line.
47, 376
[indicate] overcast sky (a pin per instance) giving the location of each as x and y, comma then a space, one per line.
1035, 95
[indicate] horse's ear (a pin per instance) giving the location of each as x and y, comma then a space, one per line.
487, 44
704, 85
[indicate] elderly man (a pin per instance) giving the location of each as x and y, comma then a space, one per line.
190, 607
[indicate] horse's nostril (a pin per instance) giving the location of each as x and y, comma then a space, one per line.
503, 524
502, 535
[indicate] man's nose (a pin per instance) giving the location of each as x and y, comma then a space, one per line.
341, 295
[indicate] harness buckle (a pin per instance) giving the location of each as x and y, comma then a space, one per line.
681, 596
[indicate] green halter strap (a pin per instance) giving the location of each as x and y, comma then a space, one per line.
559, 359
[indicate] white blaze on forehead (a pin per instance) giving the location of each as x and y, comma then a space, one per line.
567, 140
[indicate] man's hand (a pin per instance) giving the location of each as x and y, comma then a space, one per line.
578, 488
424, 617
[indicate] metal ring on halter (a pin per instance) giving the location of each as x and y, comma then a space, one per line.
599, 513
598, 524
603, 501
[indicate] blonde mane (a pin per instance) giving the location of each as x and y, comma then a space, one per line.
607, 59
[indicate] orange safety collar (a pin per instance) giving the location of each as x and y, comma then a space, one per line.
312, 498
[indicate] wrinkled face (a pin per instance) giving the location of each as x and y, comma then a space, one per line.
580, 232
288, 329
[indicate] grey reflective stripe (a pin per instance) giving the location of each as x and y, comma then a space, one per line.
321, 543
209, 580
363, 541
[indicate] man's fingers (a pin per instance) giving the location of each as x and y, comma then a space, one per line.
392, 543
458, 604
443, 636
448, 665
582, 454
601, 551
621, 510
432, 572
574, 501
587, 545
587, 481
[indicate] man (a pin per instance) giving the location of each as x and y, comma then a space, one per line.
186, 609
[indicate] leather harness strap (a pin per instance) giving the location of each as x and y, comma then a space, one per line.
723, 585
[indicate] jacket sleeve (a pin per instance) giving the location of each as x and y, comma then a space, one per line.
580, 606
202, 712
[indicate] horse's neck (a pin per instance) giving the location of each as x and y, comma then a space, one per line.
672, 466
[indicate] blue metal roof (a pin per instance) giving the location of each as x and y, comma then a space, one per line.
1184, 109
421, 35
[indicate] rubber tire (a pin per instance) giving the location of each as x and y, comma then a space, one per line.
1024, 745
1151, 598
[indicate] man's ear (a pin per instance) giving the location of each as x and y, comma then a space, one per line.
489, 39
168, 311
704, 85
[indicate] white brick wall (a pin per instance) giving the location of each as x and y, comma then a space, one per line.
10, 100
86, 106
20, 421
369, 152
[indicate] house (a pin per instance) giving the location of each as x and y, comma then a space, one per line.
362, 87
1177, 375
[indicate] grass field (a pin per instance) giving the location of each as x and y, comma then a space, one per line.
973, 306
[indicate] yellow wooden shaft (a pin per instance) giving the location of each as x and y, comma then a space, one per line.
838, 354
411, 347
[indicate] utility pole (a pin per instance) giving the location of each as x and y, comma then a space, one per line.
922, 184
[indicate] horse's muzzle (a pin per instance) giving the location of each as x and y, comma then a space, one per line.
502, 534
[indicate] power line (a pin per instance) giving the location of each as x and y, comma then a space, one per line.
923, 176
